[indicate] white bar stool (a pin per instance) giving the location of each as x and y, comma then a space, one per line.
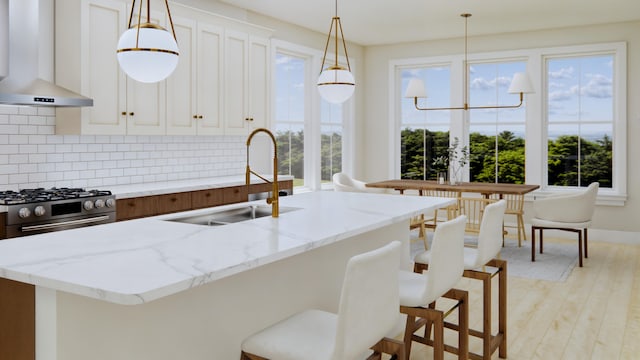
475, 260
418, 292
367, 312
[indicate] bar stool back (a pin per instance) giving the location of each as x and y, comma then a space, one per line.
367, 312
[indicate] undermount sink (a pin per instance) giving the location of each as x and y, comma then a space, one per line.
230, 216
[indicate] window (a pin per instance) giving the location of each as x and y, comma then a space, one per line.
580, 116
424, 135
313, 136
331, 140
496, 136
569, 133
289, 115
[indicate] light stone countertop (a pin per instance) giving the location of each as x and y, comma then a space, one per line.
137, 261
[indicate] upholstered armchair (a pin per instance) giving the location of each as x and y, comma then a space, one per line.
571, 212
344, 182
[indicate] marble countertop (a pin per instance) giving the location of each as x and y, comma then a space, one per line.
137, 261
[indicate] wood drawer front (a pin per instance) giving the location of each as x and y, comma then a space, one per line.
174, 202
235, 194
137, 207
207, 198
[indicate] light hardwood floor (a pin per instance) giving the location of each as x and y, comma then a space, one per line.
594, 314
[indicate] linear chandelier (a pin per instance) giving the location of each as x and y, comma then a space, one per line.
520, 84
148, 52
336, 84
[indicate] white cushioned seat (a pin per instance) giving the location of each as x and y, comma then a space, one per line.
312, 342
367, 312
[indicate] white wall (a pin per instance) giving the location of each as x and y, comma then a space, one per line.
375, 133
32, 156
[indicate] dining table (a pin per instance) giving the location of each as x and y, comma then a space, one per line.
486, 189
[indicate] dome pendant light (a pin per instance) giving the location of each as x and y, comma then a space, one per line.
148, 52
335, 83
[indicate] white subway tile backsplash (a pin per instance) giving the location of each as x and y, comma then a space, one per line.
71, 157
31, 155
37, 158
64, 166
18, 158
19, 120
55, 158
27, 168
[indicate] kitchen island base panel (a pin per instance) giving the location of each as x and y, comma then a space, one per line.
209, 321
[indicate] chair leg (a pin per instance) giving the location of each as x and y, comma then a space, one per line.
430, 316
533, 243
586, 254
521, 232
580, 248
393, 347
491, 342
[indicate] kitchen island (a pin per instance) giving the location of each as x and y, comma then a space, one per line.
157, 289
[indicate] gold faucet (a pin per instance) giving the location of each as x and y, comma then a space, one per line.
273, 200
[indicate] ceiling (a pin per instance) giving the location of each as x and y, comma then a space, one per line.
377, 22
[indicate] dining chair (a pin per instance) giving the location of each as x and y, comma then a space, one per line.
476, 261
367, 312
449, 210
344, 182
419, 292
567, 212
515, 207
473, 209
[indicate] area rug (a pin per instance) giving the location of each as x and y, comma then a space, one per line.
555, 264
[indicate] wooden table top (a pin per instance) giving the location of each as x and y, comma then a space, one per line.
474, 187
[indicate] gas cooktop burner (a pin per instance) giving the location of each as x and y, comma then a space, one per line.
39, 195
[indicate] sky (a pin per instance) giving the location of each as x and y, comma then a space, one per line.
579, 89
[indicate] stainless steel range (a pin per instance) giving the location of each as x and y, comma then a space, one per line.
35, 211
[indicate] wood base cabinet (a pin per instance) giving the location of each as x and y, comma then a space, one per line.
138, 207
17, 316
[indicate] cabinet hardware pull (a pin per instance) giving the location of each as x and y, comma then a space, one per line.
200, 116
131, 113
124, 113
195, 116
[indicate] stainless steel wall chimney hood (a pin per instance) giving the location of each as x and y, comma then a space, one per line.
23, 85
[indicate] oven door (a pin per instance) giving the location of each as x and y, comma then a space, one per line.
62, 224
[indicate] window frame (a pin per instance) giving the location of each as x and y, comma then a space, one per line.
536, 108
312, 125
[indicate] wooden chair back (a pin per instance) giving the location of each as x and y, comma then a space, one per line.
473, 209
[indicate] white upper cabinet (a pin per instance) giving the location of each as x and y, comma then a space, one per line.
194, 90
246, 82
86, 62
220, 87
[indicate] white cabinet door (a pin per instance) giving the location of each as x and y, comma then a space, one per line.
209, 79
259, 82
146, 109
247, 69
181, 88
87, 34
236, 82
194, 96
